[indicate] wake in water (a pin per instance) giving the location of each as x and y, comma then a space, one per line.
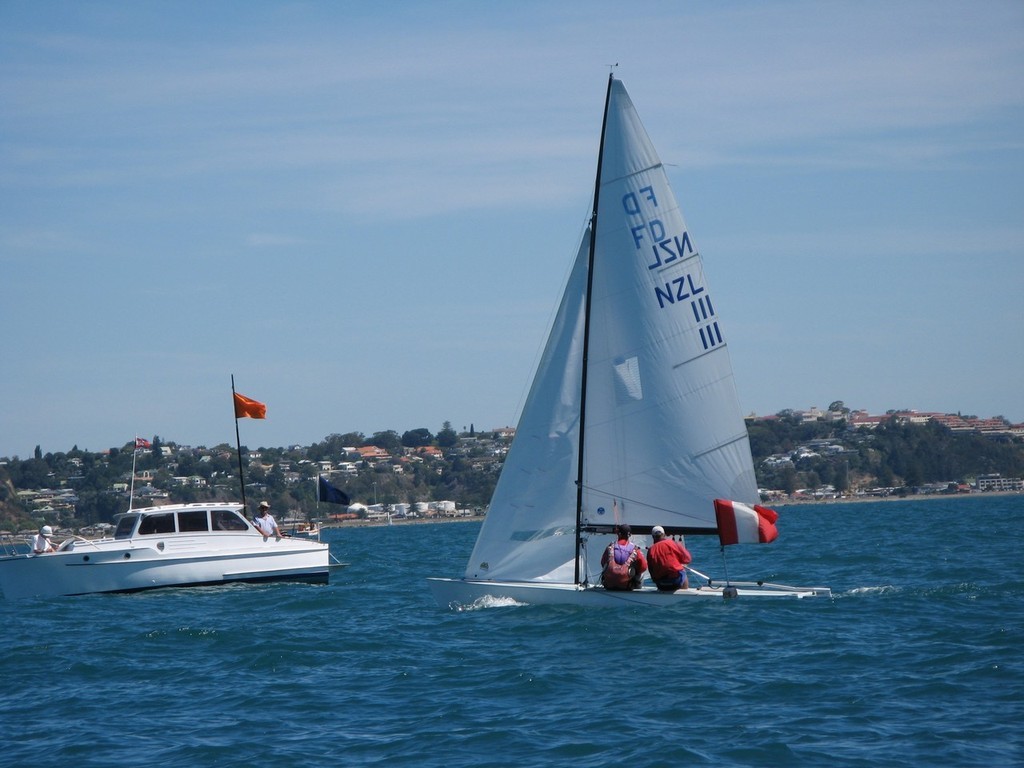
487, 601
934, 591
880, 590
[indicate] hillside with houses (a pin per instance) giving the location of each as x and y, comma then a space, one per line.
842, 453
810, 454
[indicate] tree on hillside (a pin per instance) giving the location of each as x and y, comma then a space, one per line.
417, 438
447, 437
388, 440
334, 445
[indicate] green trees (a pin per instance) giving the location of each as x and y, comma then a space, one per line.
417, 438
334, 445
895, 454
447, 437
388, 440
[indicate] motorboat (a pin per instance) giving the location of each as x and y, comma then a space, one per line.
178, 545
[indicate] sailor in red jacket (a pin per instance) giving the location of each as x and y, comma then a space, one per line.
666, 562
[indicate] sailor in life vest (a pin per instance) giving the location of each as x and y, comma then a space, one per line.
623, 562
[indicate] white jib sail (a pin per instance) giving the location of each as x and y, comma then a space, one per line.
529, 533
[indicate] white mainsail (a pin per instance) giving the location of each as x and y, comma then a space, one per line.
663, 432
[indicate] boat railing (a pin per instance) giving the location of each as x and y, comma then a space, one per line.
13, 544
71, 542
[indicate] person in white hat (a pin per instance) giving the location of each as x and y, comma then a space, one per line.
666, 562
265, 522
41, 543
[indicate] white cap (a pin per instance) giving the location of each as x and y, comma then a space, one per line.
46, 530
657, 531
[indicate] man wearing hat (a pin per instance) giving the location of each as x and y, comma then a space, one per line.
41, 541
666, 562
265, 522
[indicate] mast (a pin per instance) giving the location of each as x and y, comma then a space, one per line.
586, 331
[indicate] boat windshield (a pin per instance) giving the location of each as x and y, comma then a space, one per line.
228, 520
125, 526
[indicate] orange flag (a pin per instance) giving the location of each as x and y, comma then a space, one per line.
251, 408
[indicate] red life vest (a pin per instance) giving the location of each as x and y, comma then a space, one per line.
619, 576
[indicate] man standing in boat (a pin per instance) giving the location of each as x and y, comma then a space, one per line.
667, 560
265, 522
41, 543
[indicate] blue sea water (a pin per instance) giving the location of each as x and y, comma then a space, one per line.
917, 660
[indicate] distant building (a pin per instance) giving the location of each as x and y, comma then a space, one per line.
997, 482
373, 453
861, 419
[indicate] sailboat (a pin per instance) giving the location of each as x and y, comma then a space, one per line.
633, 415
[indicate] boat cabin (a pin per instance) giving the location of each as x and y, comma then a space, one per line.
193, 518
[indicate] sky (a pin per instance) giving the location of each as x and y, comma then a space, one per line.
365, 212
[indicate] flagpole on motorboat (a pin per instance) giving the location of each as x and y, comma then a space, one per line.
238, 445
131, 488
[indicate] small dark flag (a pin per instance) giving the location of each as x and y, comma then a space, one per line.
330, 494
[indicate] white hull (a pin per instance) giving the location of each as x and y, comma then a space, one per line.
110, 566
454, 593
140, 561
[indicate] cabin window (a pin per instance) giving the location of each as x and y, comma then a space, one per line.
192, 521
125, 526
226, 520
153, 524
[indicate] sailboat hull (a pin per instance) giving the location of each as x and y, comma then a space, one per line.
461, 593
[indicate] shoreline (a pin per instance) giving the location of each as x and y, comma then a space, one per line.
786, 503
894, 497
399, 521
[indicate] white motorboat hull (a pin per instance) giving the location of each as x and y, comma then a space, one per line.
109, 565
456, 593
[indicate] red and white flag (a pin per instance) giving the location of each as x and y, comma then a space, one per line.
141, 442
742, 524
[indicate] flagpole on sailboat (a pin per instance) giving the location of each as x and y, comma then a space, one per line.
238, 444
586, 332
